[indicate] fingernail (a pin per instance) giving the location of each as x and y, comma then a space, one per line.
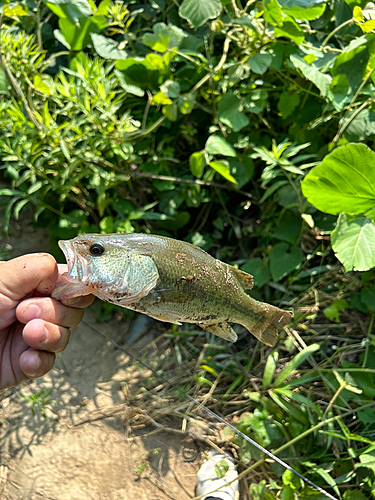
32, 312
45, 336
33, 364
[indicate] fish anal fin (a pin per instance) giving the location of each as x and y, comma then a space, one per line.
222, 330
161, 318
245, 279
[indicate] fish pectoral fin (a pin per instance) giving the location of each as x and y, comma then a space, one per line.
162, 318
222, 330
245, 279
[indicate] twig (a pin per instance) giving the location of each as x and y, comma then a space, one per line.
351, 118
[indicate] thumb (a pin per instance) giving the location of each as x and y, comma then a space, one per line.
22, 275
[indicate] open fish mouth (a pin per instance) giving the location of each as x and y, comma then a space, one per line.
76, 264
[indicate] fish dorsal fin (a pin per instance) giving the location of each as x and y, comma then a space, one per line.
245, 279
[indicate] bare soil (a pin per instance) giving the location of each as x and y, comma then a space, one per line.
87, 447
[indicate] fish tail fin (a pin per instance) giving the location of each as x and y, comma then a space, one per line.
268, 320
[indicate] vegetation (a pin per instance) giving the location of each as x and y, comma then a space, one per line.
244, 128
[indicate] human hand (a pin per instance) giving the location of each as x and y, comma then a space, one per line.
33, 326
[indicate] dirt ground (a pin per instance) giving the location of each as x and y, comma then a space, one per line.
84, 449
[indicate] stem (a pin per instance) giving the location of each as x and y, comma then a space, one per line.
349, 121
361, 86
38, 27
338, 28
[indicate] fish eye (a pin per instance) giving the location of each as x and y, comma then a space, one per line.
96, 249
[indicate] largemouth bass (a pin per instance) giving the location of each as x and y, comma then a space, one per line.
169, 280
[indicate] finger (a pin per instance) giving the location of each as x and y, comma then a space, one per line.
35, 363
49, 310
46, 336
22, 275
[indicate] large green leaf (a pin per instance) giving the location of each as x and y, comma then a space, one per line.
272, 12
290, 29
259, 269
77, 37
284, 259
260, 63
197, 12
73, 10
353, 241
216, 145
128, 87
229, 114
321, 80
108, 48
343, 182
303, 9
164, 37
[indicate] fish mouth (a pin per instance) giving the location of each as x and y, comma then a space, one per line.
76, 265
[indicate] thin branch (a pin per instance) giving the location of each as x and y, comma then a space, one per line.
349, 121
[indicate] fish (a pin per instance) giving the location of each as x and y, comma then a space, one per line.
169, 280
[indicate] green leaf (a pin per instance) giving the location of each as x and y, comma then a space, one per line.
303, 9
332, 312
321, 80
4, 84
273, 13
295, 363
289, 228
77, 37
259, 269
186, 104
288, 102
290, 29
284, 259
41, 86
241, 171
229, 114
128, 87
340, 92
343, 182
198, 12
12, 10
353, 241
170, 111
269, 369
260, 63
360, 127
179, 221
354, 495
171, 89
73, 10
164, 37
108, 48
216, 145
368, 297
256, 101
197, 163
222, 167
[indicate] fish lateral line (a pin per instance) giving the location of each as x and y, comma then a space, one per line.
216, 417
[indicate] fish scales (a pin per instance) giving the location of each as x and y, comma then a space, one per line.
169, 280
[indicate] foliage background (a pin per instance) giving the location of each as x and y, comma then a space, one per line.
200, 120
